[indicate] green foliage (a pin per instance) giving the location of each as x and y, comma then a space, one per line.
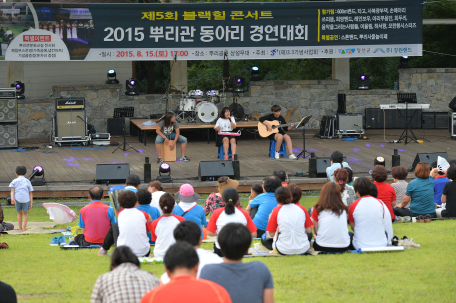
382, 71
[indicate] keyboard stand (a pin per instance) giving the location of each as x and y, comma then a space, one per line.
407, 128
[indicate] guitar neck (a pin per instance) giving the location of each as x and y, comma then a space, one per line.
282, 125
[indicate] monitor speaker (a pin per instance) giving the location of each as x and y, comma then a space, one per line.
428, 158
341, 103
115, 126
112, 173
318, 166
8, 135
8, 110
212, 170
70, 124
452, 104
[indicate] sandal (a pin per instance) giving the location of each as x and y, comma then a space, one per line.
4, 245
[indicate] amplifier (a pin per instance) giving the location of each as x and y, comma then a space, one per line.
349, 124
70, 124
8, 135
8, 110
452, 123
376, 118
435, 120
7, 93
69, 103
100, 139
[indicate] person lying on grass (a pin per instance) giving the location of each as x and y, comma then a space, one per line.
126, 282
245, 282
181, 262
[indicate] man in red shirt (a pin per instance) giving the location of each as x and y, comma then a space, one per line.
181, 261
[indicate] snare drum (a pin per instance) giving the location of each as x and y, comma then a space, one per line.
187, 104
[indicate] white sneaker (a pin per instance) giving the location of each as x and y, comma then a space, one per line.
277, 155
292, 156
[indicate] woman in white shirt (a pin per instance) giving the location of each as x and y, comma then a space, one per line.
226, 123
156, 189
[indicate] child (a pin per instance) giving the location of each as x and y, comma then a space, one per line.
255, 191
163, 227
188, 208
21, 196
144, 198
134, 225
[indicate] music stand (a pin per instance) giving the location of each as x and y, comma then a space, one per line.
124, 112
407, 98
302, 123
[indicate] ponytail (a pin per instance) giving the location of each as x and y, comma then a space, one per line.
230, 196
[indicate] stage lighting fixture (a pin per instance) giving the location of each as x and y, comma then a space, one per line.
37, 171
164, 169
255, 74
131, 87
112, 78
404, 62
363, 81
20, 89
239, 83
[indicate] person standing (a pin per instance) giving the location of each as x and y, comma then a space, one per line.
226, 123
168, 132
21, 196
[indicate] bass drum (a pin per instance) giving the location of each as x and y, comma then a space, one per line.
207, 112
187, 104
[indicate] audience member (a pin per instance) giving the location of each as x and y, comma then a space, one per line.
296, 193
181, 262
256, 190
265, 202
21, 196
163, 227
156, 189
350, 176
188, 208
439, 183
189, 232
288, 226
330, 217
132, 183
253, 277
365, 216
282, 175
8, 295
214, 201
134, 225
95, 219
347, 192
420, 194
126, 282
385, 191
399, 174
337, 161
4, 225
229, 214
387, 221
144, 198
449, 196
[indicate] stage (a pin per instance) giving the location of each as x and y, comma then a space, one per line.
70, 172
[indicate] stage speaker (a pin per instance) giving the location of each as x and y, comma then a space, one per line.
349, 123
70, 124
115, 126
8, 110
112, 173
318, 166
8, 135
341, 103
441, 121
428, 158
212, 170
452, 104
327, 126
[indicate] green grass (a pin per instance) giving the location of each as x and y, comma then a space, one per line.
41, 273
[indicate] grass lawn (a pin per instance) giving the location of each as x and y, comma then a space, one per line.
43, 273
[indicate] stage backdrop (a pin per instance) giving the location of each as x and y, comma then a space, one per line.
211, 31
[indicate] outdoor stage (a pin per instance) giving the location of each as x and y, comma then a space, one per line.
71, 172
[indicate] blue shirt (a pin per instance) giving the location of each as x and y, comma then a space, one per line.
422, 194
439, 184
22, 188
265, 202
154, 214
110, 213
195, 214
330, 170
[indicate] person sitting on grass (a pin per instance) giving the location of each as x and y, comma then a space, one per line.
3, 225
95, 219
385, 191
296, 193
188, 208
163, 227
347, 192
8, 293
350, 176
282, 175
181, 263
257, 189
265, 203
156, 189
387, 221
449, 195
214, 201
337, 161
189, 231
233, 275
288, 226
439, 183
399, 174
229, 214
21, 196
126, 282
134, 225
330, 217
144, 198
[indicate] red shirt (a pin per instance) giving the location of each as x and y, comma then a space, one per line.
188, 289
387, 194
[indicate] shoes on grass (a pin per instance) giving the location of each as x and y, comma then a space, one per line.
102, 252
3, 245
55, 241
62, 240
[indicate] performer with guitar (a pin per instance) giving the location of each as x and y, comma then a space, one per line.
280, 136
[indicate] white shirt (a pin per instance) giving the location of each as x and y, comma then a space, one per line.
388, 223
332, 229
205, 257
155, 202
22, 188
163, 233
224, 124
133, 230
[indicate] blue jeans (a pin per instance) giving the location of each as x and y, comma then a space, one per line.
22, 206
160, 140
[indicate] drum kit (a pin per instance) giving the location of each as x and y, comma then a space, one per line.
198, 104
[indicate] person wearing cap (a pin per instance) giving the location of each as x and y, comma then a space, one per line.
214, 201
188, 208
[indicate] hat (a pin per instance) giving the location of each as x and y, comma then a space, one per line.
133, 179
228, 183
186, 193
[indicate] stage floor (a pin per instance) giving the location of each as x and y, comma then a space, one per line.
69, 168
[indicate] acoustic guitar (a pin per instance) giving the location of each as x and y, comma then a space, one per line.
264, 132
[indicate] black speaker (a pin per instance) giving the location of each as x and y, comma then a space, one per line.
341, 103
428, 158
441, 120
318, 166
452, 104
115, 126
327, 126
212, 170
112, 173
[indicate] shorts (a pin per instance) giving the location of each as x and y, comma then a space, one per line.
22, 206
160, 140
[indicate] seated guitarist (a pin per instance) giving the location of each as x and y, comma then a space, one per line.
281, 136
